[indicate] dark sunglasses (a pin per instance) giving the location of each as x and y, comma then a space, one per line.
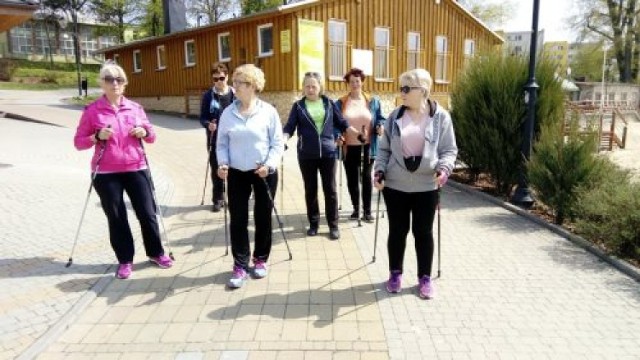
312, 74
406, 89
221, 78
110, 79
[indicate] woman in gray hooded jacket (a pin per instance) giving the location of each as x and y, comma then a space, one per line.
416, 154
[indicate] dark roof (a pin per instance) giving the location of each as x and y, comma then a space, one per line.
19, 3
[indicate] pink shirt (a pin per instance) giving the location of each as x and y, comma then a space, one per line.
412, 135
357, 115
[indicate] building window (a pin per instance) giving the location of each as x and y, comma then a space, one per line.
189, 53
66, 44
469, 50
381, 59
224, 47
441, 59
337, 49
21, 40
413, 50
41, 45
137, 61
265, 40
161, 57
88, 44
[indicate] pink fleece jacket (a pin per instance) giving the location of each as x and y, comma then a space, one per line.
123, 152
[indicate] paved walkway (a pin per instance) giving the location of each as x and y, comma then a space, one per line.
509, 288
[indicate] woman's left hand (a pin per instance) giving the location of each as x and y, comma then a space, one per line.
262, 171
138, 132
441, 178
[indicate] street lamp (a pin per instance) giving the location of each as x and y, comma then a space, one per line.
522, 196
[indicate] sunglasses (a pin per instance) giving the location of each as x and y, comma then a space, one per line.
221, 78
312, 74
406, 89
111, 79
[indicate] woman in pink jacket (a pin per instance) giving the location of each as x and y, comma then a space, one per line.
115, 127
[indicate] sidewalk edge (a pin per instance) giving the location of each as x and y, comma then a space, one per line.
54, 332
620, 264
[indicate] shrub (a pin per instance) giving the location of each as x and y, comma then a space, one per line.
610, 212
488, 110
561, 167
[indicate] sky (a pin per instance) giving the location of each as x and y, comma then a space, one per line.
552, 18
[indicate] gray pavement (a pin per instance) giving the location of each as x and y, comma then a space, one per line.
509, 288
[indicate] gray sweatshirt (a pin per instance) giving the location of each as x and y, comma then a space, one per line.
439, 154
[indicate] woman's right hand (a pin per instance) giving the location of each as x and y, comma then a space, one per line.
223, 171
105, 133
378, 180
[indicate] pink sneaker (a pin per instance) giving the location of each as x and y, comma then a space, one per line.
238, 278
124, 270
163, 261
425, 287
394, 284
259, 269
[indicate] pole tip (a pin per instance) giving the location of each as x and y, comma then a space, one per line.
69, 262
171, 256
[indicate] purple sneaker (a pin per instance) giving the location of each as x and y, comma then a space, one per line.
394, 284
238, 278
259, 269
124, 270
425, 287
163, 261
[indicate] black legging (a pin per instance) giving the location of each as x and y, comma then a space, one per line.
352, 164
327, 168
217, 183
417, 208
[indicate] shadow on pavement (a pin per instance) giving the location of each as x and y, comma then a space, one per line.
46, 266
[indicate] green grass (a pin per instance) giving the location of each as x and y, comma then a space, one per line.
7, 85
61, 78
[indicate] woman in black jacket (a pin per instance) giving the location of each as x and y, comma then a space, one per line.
315, 116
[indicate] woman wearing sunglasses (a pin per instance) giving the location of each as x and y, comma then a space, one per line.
416, 155
360, 110
214, 101
316, 119
115, 126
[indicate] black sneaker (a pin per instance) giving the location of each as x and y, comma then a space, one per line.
313, 231
368, 217
334, 234
217, 206
354, 215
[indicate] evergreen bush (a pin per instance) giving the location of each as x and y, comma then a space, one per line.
488, 111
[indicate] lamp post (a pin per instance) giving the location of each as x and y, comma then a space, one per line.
522, 196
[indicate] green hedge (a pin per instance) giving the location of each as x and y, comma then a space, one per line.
26, 64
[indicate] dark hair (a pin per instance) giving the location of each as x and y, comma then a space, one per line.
219, 68
354, 72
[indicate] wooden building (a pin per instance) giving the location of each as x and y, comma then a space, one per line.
15, 12
383, 37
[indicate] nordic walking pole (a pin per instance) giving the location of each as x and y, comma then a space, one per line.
226, 223
375, 236
155, 200
206, 173
275, 210
341, 164
438, 231
86, 202
361, 173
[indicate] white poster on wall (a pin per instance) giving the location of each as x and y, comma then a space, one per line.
363, 60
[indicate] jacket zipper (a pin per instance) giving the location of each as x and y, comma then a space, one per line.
304, 112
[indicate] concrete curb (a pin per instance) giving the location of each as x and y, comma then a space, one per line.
54, 332
620, 264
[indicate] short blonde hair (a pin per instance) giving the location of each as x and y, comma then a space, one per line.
114, 70
251, 74
417, 77
317, 76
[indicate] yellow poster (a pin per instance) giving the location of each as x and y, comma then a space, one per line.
285, 41
310, 47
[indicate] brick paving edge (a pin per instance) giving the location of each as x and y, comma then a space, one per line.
54, 332
620, 264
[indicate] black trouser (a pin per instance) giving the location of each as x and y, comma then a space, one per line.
419, 208
352, 164
240, 185
137, 185
327, 168
216, 182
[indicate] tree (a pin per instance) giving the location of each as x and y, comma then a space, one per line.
587, 62
152, 20
212, 10
254, 6
615, 22
117, 14
493, 15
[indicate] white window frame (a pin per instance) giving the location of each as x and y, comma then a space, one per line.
382, 72
337, 51
220, 36
161, 63
469, 50
261, 52
187, 62
413, 55
137, 64
442, 55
